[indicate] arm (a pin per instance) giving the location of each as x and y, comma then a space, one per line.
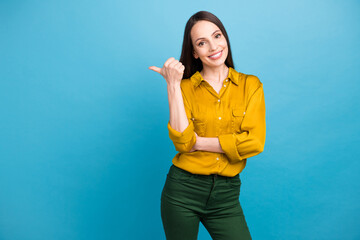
180, 126
178, 119
210, 144
251, 141
181, 129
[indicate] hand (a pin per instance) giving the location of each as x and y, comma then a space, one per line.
172, 71
193, 149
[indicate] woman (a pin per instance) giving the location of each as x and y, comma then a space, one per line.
217, 121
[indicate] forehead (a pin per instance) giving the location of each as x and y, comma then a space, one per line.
203, 29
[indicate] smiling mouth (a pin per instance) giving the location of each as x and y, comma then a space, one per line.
216, 55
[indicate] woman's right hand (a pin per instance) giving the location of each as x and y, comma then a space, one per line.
172, 71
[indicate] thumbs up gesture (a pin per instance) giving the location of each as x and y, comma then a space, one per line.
172, 71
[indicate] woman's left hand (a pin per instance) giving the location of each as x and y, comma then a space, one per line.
193, 149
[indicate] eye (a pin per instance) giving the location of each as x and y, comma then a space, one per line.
218, 35
199, 44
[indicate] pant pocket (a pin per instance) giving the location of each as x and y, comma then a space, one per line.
235, 182
179, 175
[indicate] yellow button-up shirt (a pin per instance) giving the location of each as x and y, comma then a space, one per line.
236, 116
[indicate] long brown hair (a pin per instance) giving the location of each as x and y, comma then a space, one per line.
187, 59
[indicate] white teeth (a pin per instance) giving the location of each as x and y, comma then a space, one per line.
216, 55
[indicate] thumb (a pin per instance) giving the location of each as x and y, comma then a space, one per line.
156, 69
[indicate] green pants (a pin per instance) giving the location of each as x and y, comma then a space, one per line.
213, 200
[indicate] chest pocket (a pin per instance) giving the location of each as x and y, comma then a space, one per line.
237, 117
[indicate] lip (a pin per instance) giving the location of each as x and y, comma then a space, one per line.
215, 54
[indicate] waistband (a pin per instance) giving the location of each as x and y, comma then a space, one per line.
211, 176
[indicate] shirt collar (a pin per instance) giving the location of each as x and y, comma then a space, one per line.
233, 75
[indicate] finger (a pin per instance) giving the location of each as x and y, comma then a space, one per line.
156, 69
182, 68
179, 66
173, 63
170, 60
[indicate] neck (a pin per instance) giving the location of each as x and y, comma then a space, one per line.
215, 74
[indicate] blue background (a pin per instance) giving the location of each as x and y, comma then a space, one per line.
84, 148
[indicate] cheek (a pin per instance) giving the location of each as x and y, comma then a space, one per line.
226, 50
203, 53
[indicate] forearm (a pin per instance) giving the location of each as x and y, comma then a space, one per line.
210, 144
178, 118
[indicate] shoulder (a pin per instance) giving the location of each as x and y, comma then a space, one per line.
185, 82
186, 85
250, 82
253, 81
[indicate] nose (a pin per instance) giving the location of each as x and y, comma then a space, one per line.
212, 45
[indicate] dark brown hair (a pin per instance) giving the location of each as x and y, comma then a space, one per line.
187, 58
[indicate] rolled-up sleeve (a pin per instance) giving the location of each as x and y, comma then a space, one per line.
183, 141
251, 140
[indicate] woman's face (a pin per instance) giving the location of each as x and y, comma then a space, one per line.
208, 40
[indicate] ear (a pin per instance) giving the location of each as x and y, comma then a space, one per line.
195, 55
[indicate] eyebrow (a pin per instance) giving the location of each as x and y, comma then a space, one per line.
211, 35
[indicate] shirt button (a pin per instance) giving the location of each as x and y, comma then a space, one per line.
219, 118
218, 100
224, 85
193, 119
226, 80
217, 158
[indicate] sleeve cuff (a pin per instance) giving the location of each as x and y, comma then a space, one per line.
181, 137
228, 145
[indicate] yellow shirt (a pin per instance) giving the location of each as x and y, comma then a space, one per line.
236, 116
